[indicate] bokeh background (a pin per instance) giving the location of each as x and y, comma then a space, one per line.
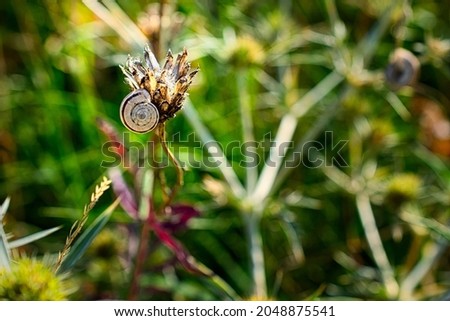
59, 72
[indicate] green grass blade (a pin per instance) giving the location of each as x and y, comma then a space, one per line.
4, 207
83, 242
4, 252
4, 246
33, 237
431, 224
435, 163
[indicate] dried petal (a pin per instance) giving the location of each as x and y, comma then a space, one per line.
165, 107
129, 79
192, 74
180, 64
164, 92
168, 65
150, 58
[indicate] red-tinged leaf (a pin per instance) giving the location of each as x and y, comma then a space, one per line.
180, 252
113, 136
121, 189
178, 217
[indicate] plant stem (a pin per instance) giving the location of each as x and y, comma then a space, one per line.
368, 45
286, 131
375, 244
218, 281
161, 133
247, 129
311, 134
214, 150
431, 253
140, 259
145, 213
118, 20
252, 222
158, 45
5, 258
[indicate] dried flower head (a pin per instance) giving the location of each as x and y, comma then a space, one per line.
167, 86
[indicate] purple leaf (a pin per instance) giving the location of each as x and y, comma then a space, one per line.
113, 136
178, 216
121, 189
180, 252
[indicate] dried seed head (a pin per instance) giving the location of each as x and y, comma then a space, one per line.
167, 86
403, 69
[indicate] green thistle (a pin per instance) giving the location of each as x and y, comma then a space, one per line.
402, 188
31, 280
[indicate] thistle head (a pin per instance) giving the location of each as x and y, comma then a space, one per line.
402, 188
32, 280
166, 85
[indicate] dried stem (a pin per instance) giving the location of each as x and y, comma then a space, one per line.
157, 40
161, 176
118, 20
161, 132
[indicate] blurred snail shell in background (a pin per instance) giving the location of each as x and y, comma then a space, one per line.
138, 113
402, 70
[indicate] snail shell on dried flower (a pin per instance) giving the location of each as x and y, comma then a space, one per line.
138, 113
161, 86
403, 69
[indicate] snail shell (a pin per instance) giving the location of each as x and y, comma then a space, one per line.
138, 113
403, 69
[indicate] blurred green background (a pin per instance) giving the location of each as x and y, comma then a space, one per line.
59, 70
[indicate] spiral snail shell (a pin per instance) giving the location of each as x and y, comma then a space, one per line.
403, 69
138, 113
